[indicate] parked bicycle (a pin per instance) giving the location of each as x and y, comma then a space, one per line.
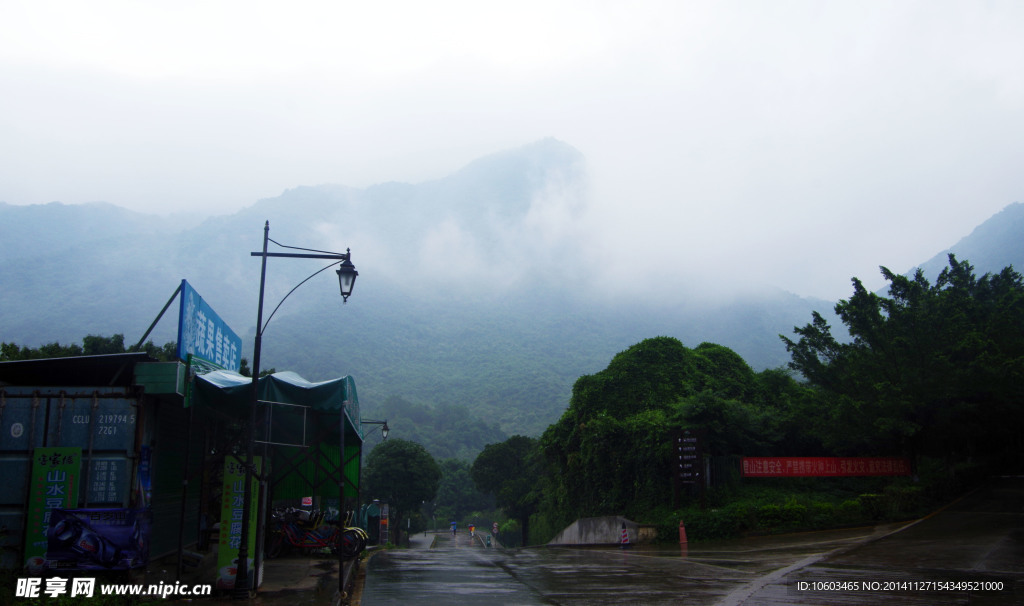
292, 528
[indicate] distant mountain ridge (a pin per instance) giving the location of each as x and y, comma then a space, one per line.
55, 226
467, 293
991, 246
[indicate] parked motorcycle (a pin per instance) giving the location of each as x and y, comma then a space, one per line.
306, 530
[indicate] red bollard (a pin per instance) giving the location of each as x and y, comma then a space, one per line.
682, 533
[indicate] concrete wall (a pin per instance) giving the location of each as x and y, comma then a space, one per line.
602, 531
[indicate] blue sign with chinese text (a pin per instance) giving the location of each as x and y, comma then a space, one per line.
202, 333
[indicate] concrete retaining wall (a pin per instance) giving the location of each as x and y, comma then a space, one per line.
603, 531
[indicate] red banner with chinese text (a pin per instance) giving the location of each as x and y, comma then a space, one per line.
788, 467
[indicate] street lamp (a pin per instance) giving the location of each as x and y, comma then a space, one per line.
347, 276
346, 279
384, 429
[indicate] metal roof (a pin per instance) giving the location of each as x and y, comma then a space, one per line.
91, 371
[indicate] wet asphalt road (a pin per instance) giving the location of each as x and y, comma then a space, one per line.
971, 552
464, 573
977, 542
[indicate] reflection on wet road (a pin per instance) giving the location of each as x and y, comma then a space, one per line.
453, 572
464, 573
971, 551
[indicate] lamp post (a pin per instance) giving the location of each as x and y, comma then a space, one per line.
346, 279
384, 430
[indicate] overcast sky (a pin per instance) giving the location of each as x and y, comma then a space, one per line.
794, 143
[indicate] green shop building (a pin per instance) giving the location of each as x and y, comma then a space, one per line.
112, 461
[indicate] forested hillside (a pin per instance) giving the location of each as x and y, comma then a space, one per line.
933, 372
461, 301
447, 432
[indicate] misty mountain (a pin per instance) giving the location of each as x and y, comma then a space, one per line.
29, 230
479, 290
993, 245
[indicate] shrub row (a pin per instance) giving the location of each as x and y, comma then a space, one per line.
754, 516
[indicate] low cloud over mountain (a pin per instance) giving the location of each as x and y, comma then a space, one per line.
493, 288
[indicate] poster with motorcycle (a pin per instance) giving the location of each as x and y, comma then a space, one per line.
98, 539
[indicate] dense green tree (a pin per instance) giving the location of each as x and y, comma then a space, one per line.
510, 471
729, 425
930, 369
10, 352
92, 345
791, 410
610, 451
245, 371
167, 353
404, 474
650, 374
723, 372
457, 494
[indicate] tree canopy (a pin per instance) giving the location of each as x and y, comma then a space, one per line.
92, 345
931, 369
403, 473
510, 471
457, 495
610, 453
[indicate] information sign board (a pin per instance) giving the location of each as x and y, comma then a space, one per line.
202, 333
689, 461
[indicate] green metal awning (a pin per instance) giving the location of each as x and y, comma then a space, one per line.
299, 421
231, 393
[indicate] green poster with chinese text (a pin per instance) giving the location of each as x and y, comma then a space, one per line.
232, 504
55, 480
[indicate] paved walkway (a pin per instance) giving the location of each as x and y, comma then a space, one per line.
421, 540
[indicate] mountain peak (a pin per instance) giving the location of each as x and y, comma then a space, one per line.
991, 246
547, 155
